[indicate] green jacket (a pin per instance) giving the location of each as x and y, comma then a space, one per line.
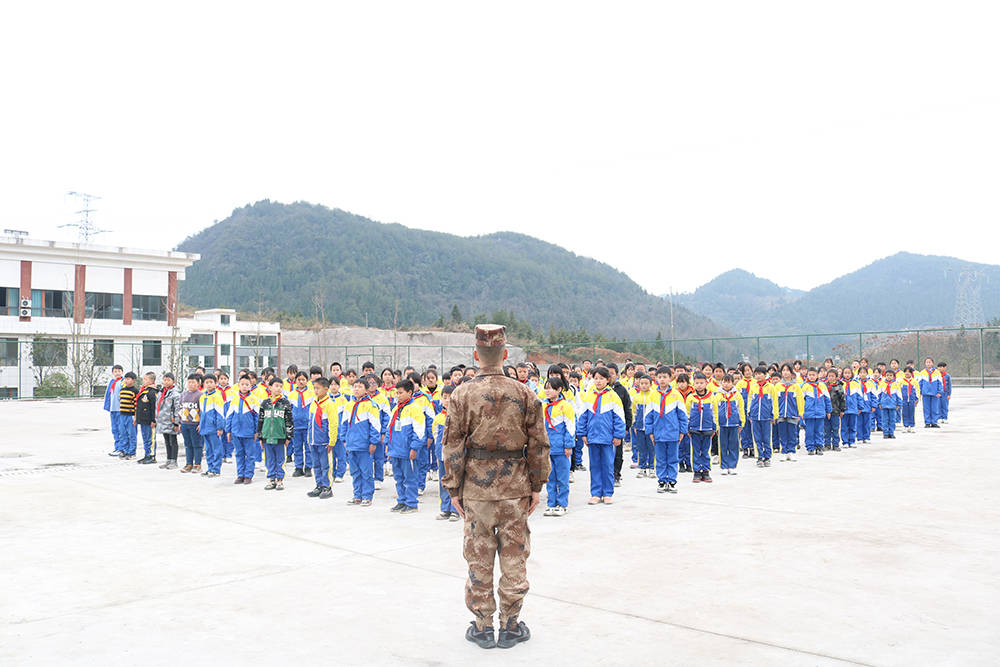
274, 421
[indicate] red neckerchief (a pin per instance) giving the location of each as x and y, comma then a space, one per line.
548, 412
302, 393
113, 383
663, 398
597, 400
729, 404
354, 410
815, 386
163, 394
909, 383
243, 400
395, 413
701, 399
319, 409
225, 393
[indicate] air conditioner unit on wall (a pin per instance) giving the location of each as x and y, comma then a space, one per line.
26, 312
25, 303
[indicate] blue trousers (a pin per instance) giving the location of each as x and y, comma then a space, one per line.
423, 466
814, 433
635, 450
863, 432
878, 418
115, 436
666, 461
888, 421
943, 406
602, 470
274, 459
775, 437
245, 455
213, 451
831, 430
930, 409
146, 430
684, 449
192, 444
362, 475
872, 420
578, 451
557, 488
338, 467
909, 414
642, 447
445, 497
404, 473
701, 444
378, 462
321, 465
787, 435
126, 431
729, 450
228, 446
762, 438
746, 437
299, 450
849, 428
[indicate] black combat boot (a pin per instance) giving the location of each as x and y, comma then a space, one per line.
483, 638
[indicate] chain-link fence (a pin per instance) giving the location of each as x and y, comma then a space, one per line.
46, 367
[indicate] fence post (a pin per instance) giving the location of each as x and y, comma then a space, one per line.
442, 357
373, 358
808, 358
916, 359
757, 360
861, 349
712, 357
982, 361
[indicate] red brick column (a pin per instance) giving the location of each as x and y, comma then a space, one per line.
80, 294
25, 286
127, 298
172, 298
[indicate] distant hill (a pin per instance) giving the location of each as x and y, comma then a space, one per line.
303, 260
903, 291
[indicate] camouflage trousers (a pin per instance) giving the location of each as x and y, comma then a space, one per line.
492, 526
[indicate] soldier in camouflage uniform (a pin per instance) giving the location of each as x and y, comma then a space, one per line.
496, 460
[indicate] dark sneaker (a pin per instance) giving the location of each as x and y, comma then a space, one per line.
238, 480
705, 477
443, 516
354, 501
397, 507
327, 492
819, 452
115, 453
836, 448
582, 467
288, 459
767, 463
271, 483
482, 638
280, 485
307, 471
406, 509
760, 463
247, 480
507, 638
315, 492
298, 473
671, 487
661, 487
454, 517
812, 453
697, 477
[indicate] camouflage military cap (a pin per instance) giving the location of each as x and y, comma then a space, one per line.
491, 335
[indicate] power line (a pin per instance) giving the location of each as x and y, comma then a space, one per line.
85, 226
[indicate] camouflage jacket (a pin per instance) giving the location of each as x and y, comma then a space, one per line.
489, 416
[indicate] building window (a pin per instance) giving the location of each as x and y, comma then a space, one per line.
258, 341
48, 352
224, 349
51, 303
10, 300
224, 320
104, 351
8, 393
104, 306
201, 339
152, 353
149, 307
8, 352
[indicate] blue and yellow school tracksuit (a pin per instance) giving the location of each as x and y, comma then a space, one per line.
746, 435
601, 422
385, 411
426, 454
702, 420
732, 418
300, 452
439, 422
854, 402
665, 421
338, 458
227, 394
360, 429
684, 446
213, 420
866, 415
788, 408
112, 405
760, 411
816, 405
945, 396
241, 425
560, 424
889, 400
406, 432
642, 444
324, 422
931, 391
909, 395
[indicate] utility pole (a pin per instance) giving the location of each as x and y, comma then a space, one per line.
85, 226
673, 359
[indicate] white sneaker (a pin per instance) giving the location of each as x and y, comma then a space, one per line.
338, 480
420, 492
559, 511
570, 476
549, 511
790, 458
378, 485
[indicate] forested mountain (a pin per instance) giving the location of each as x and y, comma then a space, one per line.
903, 291
308, 261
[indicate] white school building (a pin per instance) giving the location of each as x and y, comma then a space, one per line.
68, 311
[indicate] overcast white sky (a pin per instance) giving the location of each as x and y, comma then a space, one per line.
729, 133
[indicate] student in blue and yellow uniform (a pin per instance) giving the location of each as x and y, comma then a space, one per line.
760, 411
732, 418
743, 386
889, 400
338, 459
642, 444
360, 431
380, 400
241, 429
931, 388
560, 424
448, 511
909, 395
702, 421
291, 379
602, 423
226, 392
866, 408
816, 409
321, 435
945, 400
405, 435
665, 422
788, 408
854, 401
212, 426
301, 397
683, 386
111, 406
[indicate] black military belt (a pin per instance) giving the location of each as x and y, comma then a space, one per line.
491, 454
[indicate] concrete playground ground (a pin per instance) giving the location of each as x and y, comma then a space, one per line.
882, 555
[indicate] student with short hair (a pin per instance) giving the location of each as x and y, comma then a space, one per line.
743, 386
111, 406
300, 397
405, 436
127, 396
274, 429
241, 428
854, 401
945, 399
889, 400
732, 419
760, 411
789, 405
212, 426
602, 423
816, 409
867, 406
360, 431
702, 422
909, 396
831, 426
682, 383
448, 511
665, 421
560, 420
381, 401
145, 417
190, 419
168, 408
324, 420
642, 444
